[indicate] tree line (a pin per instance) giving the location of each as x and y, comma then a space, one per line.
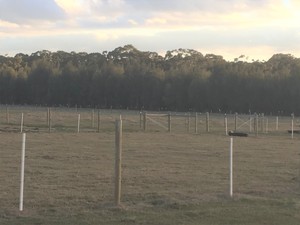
182, 80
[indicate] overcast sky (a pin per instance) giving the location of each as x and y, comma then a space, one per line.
255, 28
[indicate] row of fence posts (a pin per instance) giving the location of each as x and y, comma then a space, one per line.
258, 121
262, 121
118, 162
49, 120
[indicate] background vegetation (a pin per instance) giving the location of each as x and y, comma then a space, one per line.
129, 78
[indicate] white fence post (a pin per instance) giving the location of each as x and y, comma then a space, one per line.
118, 161
22, 172
231, 168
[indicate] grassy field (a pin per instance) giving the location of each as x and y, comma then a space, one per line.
168, 178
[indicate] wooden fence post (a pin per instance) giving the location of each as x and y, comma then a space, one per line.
49, 119
169, 122
78, 124
93, 118
196, 122
22, 122
262, 123
188, 123
235, 121
118, 161
250, 129
207, 122
140, 120
226, 124
7, 115
292, 131
256, 124
276, 122
145, 121
98, 121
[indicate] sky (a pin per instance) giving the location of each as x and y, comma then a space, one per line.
255, 28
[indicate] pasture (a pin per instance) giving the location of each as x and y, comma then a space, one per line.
177, 177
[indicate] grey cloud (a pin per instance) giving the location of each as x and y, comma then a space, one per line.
22, 11
191, 5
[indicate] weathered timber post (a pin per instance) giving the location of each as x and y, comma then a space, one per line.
256, 124
207, 122
118, 161
226, 124
49, 119
22, 122
262, 123
250, 129
196, 122
145, 121
98, 121
140, 120
292, 131
93, 118
78, 124
235, 121
188, 123
169, 122
7, 115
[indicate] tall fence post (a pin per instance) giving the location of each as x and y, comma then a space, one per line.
169, 122
140, 120
22, 172
256, 124
93, 118
235, 121
78, 124
250, 129
22, 122
49, 119
231, 168
226, 124
98, 127
118, 161
188, 123
7, 115
262, 123
292, 131
145, 121
196, 123
207, 122
276, 122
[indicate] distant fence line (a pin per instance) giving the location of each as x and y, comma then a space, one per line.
83, 120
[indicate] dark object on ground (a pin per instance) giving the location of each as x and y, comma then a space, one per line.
295, 131
238, 134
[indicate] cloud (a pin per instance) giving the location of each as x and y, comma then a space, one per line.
151, 25
25, 11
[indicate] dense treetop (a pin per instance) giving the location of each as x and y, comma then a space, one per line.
183, 79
